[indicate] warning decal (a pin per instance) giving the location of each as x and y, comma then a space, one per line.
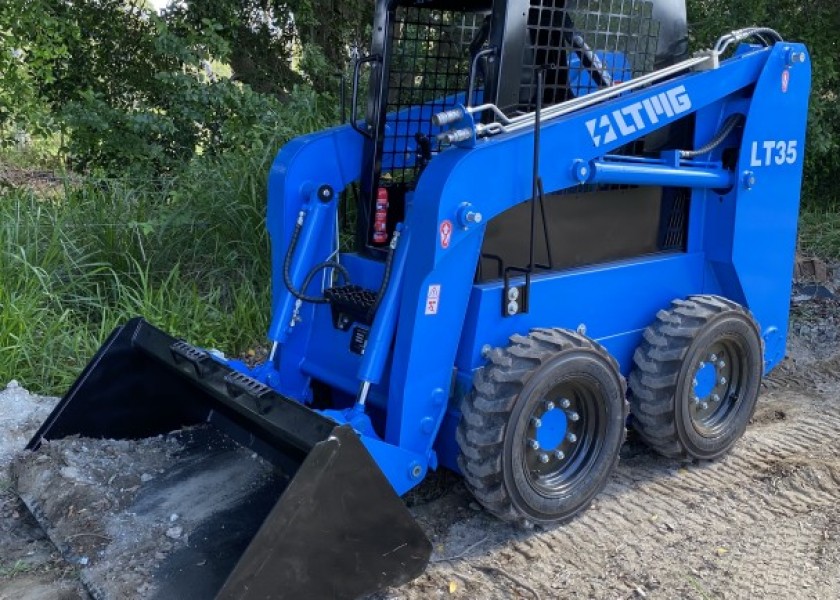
785, 80
445, 233
433, 299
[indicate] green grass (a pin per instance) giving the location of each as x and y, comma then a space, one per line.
190, 255
12, 570
819, 230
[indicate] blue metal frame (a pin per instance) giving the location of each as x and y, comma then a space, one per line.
421, 356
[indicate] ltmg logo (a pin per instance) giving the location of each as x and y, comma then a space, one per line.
638, 116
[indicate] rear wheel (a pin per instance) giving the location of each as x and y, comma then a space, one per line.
542, 429
696, 378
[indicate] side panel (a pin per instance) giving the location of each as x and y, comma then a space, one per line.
613, 302
767, 199
741, 244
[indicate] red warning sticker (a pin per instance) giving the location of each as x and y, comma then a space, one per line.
785, 80
433, 299
445, 233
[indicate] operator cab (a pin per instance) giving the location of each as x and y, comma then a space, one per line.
427, 57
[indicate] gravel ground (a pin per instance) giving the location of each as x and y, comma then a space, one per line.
762, 522
30, 566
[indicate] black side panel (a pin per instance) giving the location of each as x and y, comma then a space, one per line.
339, 531
583, 229
122, 394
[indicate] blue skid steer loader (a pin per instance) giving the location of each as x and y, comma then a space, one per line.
543, 222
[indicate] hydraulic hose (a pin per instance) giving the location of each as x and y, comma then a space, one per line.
328, 264
386, 277
765, 35
331, 264
732, 121
287, 265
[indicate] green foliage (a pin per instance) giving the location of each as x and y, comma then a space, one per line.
33, 42
277, 44
190, 253
815, 22
160, 136
72, 270
122, 49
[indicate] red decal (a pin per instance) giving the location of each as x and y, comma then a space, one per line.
380, 217
785, 80
445, 233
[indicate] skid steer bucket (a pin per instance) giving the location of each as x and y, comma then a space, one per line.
325, 524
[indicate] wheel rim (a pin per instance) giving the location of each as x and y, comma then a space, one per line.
565, 431
718, 382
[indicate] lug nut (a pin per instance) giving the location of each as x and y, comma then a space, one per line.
696, 399
549, 405
543, 458
712, 357
534, 444
704, 406
573, 416
572, 438
695, 382
559, 455
565, 403
721, 364
715, 398
722, 380
536, 422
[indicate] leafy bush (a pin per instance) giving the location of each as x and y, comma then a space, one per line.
186, 116
815, 22
32, 44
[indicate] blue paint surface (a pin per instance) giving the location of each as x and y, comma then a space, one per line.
706, 378
552, 430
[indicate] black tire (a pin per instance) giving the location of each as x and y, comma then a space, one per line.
555, 376
706, 338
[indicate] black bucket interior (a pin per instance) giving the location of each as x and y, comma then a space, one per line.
318, 519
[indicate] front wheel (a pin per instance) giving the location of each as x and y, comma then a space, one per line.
542, 429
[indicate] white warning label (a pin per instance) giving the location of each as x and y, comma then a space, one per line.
433, 299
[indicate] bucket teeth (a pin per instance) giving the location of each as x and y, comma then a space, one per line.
239, 383
182, 351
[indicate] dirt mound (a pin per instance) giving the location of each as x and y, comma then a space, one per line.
130, 514
30, 566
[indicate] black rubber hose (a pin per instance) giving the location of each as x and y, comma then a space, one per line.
728, 126
287, 278
386, 277
327, 264
760, 32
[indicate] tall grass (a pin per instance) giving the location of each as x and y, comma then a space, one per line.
191, 255
819, 229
